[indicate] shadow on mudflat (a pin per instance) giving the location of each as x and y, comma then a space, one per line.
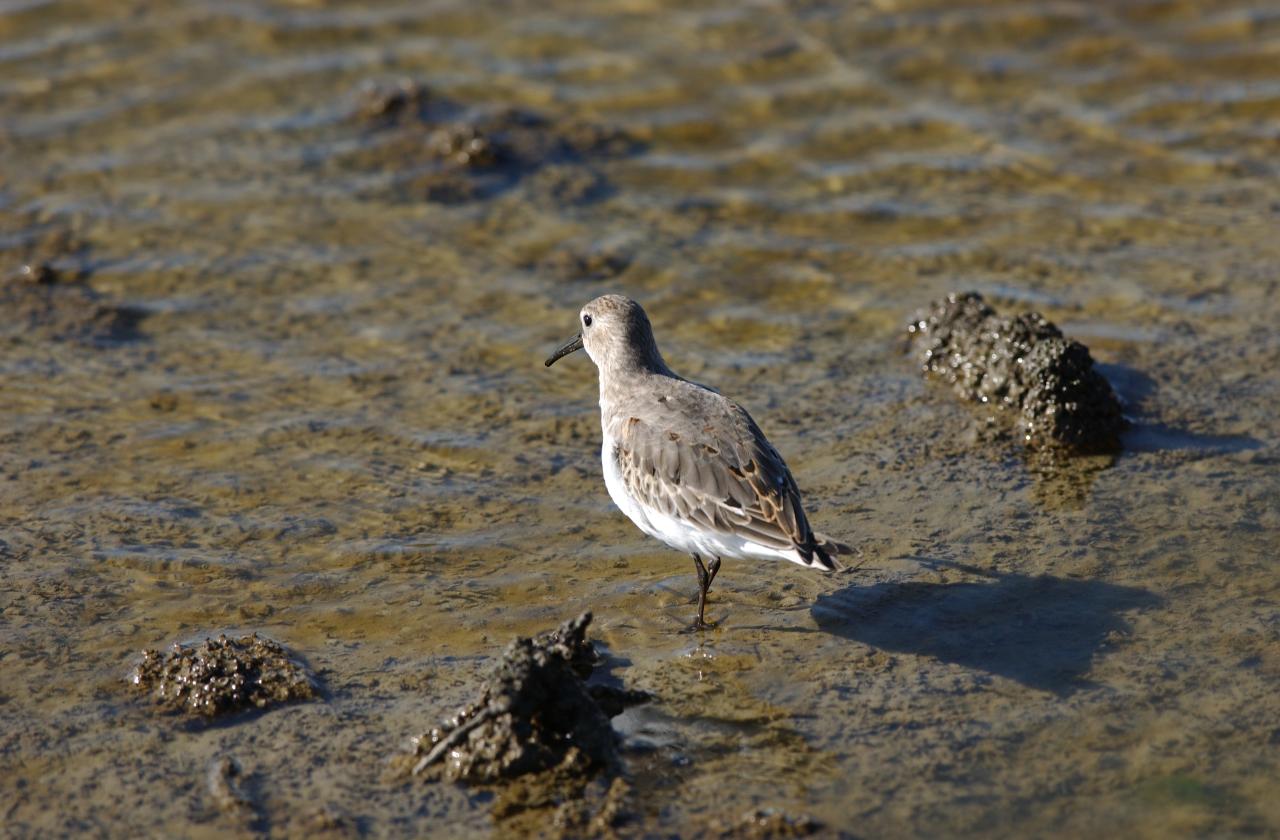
1146, 434
1043, 632
1157, 437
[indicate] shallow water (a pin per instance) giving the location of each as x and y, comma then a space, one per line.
330, 422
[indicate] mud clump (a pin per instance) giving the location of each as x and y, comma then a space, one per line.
535, 714
440, 150
589, 265
1023, 365
221, 676
40, 302
45, 294
223, 777
390, 103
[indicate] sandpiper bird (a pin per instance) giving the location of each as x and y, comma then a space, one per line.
686, 465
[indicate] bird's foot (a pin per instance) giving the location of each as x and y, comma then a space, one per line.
859, 559
699, 625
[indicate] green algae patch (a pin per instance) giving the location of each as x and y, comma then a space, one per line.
222, 676
1181, 789
764, 824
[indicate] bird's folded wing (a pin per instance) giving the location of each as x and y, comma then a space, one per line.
732, 481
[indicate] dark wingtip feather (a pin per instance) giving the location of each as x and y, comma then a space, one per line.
825, 551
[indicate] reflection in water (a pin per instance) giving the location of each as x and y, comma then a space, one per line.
1041, 631
1065, 483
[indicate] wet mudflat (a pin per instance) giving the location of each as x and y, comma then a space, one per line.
280, 277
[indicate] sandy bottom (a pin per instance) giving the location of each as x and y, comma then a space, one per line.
277, 369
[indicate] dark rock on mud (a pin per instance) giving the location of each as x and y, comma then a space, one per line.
1022, 365
440, 150
534, 714
220, 676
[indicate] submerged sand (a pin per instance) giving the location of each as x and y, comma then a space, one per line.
282, 386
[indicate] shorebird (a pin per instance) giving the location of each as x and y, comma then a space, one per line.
686, 465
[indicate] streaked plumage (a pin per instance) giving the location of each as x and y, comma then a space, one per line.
686, 465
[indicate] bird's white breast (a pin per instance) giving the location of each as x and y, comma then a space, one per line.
618, 490
680, 535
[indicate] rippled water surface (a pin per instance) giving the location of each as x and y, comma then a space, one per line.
289, 380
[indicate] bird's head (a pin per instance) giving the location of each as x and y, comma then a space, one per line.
615, 332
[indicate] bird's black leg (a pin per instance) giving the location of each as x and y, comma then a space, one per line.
712, 569
704, 584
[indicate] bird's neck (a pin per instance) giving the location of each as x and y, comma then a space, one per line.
619, 378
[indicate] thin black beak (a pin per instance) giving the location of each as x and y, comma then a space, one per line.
565, 349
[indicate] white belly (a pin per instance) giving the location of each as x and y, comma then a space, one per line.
636, 512
676, 533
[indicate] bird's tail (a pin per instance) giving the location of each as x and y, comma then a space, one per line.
826, 551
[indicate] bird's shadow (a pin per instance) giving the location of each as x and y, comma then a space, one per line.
1041, 631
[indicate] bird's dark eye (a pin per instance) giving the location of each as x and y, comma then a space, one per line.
586, 320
